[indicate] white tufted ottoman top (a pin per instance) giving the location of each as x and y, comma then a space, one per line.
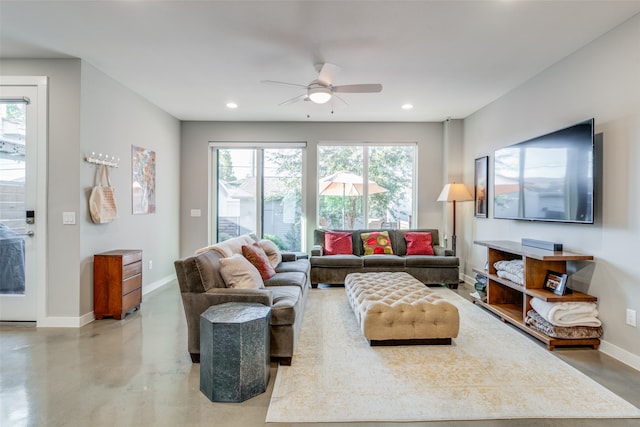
396, 306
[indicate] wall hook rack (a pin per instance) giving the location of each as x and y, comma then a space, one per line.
102, 159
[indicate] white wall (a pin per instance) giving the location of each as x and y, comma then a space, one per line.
88, 111
63, 242
114, 119
602, 81
194, 164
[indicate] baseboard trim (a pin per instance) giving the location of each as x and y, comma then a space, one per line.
620, 354
470, 280
65, 322
85, 319
150, 287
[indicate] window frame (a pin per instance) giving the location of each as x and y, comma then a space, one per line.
260, 146
365, 164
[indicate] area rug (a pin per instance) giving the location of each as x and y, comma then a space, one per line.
490, 372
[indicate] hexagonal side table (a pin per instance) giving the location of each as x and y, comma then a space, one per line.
234, 351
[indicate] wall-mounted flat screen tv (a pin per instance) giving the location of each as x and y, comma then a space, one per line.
548, 178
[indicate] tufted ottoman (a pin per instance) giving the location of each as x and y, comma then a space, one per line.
396, 308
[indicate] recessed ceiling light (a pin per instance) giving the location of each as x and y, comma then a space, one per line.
407, 106
232, 105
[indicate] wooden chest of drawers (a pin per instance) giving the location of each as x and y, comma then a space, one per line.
117, 283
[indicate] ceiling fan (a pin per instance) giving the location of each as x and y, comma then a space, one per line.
322, 90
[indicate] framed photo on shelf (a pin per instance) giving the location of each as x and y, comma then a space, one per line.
556, 282
481, 181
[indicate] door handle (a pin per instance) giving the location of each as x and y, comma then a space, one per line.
29, 233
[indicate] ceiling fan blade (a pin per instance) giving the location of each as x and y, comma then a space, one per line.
327, 73
274, 82
342, 102
294, 99
363, 88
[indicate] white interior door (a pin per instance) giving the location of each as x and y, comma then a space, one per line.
19, 215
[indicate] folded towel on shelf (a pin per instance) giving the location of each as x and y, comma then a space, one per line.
510, 276
511, 270
514, 266
537, 322
567, 313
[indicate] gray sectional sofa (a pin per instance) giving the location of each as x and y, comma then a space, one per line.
440, 268
202, 285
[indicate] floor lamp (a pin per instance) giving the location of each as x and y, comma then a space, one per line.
454, 193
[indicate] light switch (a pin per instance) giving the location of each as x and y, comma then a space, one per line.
195, 212
68, 218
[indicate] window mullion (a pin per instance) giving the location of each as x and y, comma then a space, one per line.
365, 186
259, 191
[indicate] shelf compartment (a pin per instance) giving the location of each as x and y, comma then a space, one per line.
512, 314
500, 280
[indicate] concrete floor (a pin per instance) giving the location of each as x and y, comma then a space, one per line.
137, 372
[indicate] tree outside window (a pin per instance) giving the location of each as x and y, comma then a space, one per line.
388, 184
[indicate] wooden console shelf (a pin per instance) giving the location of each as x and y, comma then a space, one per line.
511, 301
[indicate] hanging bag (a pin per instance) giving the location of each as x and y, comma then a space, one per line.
102, 202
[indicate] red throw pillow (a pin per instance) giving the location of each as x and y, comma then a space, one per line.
256, 256
418, 243
337, 243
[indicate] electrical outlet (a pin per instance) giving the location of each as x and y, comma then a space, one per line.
150, 265
631, 317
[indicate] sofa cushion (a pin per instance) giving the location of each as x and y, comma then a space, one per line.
258, 258
418, 243
272, 251
337, 243
287, 300
289, 278
336, 261
430, 261
383, 261
239, 273
300, 266
376, 242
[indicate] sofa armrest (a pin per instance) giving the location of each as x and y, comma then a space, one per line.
288, 256
222, 295
293, 256
440, 251
316, 250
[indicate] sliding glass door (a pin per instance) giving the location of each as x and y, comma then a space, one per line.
258, 189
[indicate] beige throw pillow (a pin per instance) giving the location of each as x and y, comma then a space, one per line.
229, 247
272, 251
239, 273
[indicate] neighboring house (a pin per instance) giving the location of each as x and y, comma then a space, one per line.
237, 208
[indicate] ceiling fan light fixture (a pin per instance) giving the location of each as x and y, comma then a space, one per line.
319, 95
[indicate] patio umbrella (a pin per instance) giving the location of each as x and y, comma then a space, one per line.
347, 184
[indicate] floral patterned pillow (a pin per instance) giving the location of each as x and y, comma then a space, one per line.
377, 242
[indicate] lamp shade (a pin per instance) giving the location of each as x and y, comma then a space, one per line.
455, 193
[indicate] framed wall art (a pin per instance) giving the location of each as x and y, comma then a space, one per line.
481, 181
143, 180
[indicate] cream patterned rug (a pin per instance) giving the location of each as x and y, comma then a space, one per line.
490, 372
